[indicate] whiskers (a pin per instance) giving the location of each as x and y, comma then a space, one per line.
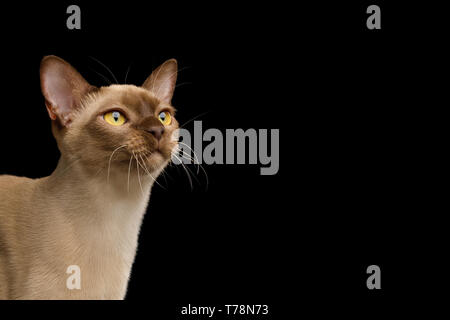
106, 68
129, 171
179, 154
194, 118
144, 166
139, 176
141, 163
110, 158
126, 74
143, 171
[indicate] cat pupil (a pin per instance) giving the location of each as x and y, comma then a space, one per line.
116, 116
162, 116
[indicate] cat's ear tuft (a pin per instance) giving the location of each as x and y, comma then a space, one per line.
63, 88
162, 81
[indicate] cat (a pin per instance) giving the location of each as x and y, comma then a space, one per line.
114, 142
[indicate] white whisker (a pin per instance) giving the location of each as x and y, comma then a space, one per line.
139, 176
146, 170
110, 158
193, 160
126, 75
104, 66
129, 169
193, 152
187, 173
194, 118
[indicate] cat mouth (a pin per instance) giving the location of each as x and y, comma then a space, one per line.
153, 158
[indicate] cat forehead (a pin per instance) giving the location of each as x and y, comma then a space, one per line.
138, 99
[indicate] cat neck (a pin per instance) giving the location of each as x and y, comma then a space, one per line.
101, 194
97, 222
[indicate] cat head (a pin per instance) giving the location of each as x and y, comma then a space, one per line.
91, 124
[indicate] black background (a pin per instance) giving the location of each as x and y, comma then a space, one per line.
341, 96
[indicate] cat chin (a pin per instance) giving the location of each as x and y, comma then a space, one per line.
156, 161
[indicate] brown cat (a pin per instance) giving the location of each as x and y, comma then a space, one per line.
114, 142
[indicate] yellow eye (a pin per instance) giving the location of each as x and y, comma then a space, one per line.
114, 118
165, 118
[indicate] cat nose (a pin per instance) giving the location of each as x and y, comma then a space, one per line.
156, 131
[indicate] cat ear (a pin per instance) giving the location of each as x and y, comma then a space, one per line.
162, 81
63, 88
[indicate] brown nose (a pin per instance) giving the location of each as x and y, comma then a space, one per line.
156, 131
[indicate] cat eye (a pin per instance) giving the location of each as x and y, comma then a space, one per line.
114, 118
165, 118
